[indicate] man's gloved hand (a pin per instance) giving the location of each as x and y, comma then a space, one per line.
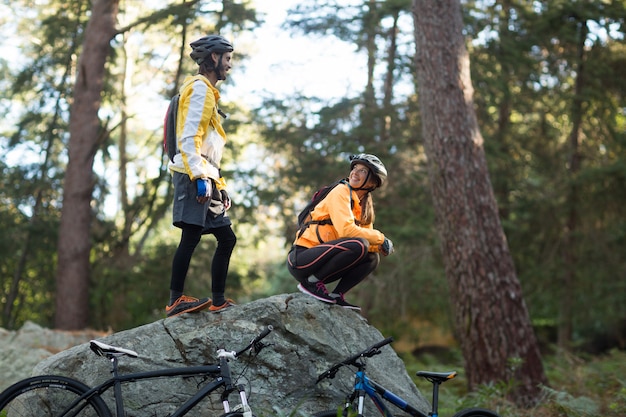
387, 247
225, 199
203, 190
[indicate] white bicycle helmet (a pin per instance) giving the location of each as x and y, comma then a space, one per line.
373, 163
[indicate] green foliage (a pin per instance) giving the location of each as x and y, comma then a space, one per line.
577, 387
577, 395
40, 87
572, 406
525, 57
524, 73
29, 217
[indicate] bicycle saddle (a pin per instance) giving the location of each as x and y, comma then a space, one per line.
102, 349
437, 376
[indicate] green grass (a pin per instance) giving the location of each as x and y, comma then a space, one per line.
579, 386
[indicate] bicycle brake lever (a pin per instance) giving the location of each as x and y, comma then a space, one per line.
258, 346
328, 374
372, 352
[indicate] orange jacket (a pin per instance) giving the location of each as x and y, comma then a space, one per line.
336, 207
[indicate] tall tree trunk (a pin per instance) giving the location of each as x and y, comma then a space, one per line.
491, 318
72, 279
501, 187
568, 280
370, 29
8, 317
392, 51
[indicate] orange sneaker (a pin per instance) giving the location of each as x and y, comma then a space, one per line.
186, 304
227, 303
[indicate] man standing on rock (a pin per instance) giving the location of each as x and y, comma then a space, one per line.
200, 197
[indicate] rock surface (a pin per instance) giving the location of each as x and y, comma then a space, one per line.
24, 348
308, 338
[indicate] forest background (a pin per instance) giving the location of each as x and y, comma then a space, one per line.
549, 98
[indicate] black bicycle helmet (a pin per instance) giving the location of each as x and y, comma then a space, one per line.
373, 163
205, 46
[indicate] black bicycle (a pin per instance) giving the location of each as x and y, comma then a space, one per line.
59, 396
380, 396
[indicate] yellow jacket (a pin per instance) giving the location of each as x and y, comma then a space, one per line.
337, 207
199, 133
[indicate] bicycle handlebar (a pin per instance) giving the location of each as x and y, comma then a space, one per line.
369, 352
255, 342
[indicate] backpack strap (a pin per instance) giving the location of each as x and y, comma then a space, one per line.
169, 128
322, 222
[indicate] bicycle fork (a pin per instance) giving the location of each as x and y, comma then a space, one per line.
245, 407
363, 387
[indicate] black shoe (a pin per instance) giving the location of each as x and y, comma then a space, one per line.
341, 301
186, 304
317, 290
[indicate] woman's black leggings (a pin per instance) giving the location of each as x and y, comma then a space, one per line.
189, 239
346, 260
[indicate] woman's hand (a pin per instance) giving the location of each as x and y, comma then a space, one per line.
387, 247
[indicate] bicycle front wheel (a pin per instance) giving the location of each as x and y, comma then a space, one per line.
50, 396
327, 413
476, 412
234, 414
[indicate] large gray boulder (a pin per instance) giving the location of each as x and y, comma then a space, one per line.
24, 348
309, 337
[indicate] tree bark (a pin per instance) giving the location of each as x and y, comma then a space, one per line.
370, 29
73, 269
570, 241
392, 51
491, 318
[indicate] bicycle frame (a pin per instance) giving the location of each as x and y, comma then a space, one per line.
214, 371
363, 386
51, 393
376, 392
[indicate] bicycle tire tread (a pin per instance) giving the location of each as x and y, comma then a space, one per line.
47, 395
234, 414
476, 412
327, 413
